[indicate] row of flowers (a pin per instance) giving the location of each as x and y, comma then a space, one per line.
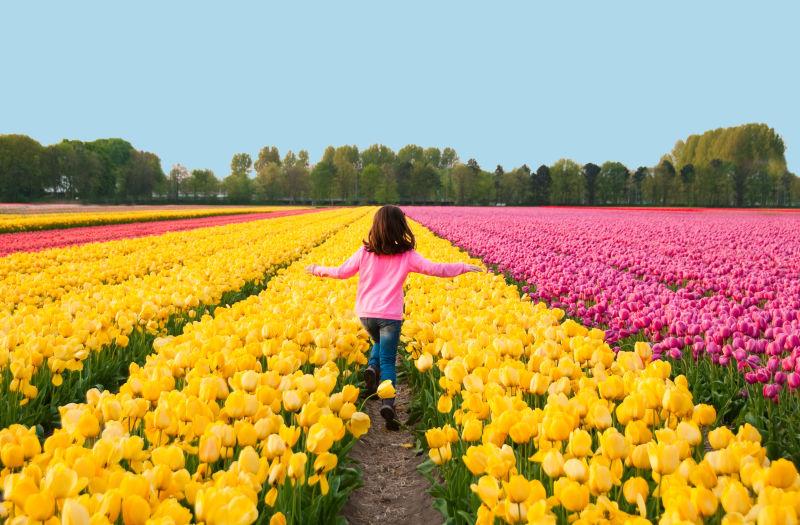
31, 241
532, 418
245, 416
78, 301
49, 221
711, 287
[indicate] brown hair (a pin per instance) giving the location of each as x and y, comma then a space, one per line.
390, 233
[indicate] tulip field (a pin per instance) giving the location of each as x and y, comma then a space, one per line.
21, 222
617, 366
716, 292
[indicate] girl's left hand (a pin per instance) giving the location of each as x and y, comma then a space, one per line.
474, 268
310, 268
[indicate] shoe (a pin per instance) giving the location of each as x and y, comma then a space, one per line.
389, 414
370, 381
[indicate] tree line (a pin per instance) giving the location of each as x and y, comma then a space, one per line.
739, 166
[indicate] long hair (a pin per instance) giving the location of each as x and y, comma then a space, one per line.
390, 233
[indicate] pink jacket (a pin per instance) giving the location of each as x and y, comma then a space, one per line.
381, 278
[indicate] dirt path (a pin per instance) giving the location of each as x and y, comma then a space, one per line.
394, 492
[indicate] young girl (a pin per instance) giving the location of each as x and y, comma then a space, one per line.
383, 263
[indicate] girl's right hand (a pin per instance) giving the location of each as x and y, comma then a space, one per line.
310, 268
474, 268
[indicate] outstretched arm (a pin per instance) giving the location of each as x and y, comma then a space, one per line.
348, 269
420, 264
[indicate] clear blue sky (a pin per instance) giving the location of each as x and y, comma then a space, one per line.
504, 82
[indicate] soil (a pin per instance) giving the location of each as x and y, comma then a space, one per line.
394, 492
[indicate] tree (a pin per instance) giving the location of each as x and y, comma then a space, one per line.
464, 180
378, 155
433, 156
590, 173
754, 155
296, 176
424, 183
140, 176
347, 162
21, 177
114, 154
203, 182
540, 186
178, 175
411, 153
687, 183
639, 177
567, 186
499, 172
371, 181
401, 174
664, 182
268, 154
241, 164
269, 183
238, 185
612, 182
449, 158
322, 179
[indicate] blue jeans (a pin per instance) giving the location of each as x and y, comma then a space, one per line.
385, 334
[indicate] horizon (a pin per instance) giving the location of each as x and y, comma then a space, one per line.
510, 86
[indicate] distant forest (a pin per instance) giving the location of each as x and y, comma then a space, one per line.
742, 166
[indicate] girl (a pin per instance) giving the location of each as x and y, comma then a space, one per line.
383, 262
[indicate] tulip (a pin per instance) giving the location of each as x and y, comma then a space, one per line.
277, 519
135, 510
424, 362
386, 390
73, 513
359, 424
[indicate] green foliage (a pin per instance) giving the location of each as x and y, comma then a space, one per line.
741, 166
203, 183
612, 183
567, 183
590, 173
106, 169
21, 171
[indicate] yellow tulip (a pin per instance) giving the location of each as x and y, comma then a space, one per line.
441, 455
664, 459
297, 466
472, 430
580, 443
277, 519
386, 390
73, 513
40, 506
445, 404
634, 488
435, 437
614, 444
735, 498
488, 490
359, 424
576, 469
209, 448
705, 501
135, 510
476, 460
573, 496
291, 401
424, 362
12, 455
518, 489
782, 473
600, 480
